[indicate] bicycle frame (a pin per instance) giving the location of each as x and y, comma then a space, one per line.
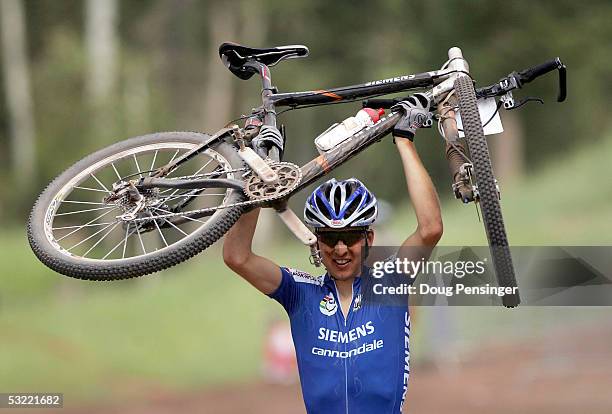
440, 81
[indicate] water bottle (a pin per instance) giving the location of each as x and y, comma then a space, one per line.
340, 132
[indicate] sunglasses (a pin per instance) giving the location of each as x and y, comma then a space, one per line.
350, 238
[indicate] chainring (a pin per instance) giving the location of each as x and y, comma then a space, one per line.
289, 177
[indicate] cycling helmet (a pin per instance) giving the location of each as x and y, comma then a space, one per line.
339, 204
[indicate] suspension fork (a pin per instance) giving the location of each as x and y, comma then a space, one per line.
455, 150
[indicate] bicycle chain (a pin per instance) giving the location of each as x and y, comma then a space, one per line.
273, 164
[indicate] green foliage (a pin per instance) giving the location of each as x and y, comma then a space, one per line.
169, 44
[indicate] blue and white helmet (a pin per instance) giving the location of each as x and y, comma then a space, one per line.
339, 204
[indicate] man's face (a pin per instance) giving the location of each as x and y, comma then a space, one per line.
341, 250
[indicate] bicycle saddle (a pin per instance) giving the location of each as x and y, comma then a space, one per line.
234, 56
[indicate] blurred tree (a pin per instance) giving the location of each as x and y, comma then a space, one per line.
17, 84
218, 95
507, 152
102, 64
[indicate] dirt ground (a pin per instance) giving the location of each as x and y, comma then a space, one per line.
569, 372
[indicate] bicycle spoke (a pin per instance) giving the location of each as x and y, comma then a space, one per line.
126, 239
204, 166
84, 202
170, 162
165, 190
80, 227
181, 215
137, 166
116, 172
87, 225
191, 195
194, 174
153, 162
85, 211
93, 235
99, 182
99, 241
215, 173
140, 238
185, 194
158, 229
90, 189
172, 224
127, 228
172, 159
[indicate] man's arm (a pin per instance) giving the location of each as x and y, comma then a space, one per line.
238, 255
423, 196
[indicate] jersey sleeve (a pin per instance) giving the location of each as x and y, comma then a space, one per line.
290, 293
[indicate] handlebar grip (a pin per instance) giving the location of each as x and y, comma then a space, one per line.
530, 74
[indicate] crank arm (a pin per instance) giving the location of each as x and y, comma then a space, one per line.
296, 226
299, 230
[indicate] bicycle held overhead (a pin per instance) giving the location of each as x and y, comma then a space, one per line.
150, 202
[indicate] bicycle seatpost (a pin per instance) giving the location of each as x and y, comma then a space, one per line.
267, 103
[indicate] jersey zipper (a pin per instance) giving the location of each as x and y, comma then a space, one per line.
345, 319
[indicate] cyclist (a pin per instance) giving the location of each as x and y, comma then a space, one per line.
353, 355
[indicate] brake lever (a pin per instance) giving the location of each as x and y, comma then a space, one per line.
521, 102
562, 82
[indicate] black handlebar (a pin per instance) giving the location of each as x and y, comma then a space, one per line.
530, 74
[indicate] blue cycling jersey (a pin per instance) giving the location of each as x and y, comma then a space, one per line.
358, 364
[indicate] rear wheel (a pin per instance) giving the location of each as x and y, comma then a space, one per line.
75, 230
487, 188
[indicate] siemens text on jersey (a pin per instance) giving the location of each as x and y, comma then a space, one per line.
346, 337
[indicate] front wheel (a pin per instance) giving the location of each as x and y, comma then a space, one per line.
77, 231
487, 189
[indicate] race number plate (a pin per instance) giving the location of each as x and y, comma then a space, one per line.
486, 107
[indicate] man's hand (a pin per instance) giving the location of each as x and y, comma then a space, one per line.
416, 113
